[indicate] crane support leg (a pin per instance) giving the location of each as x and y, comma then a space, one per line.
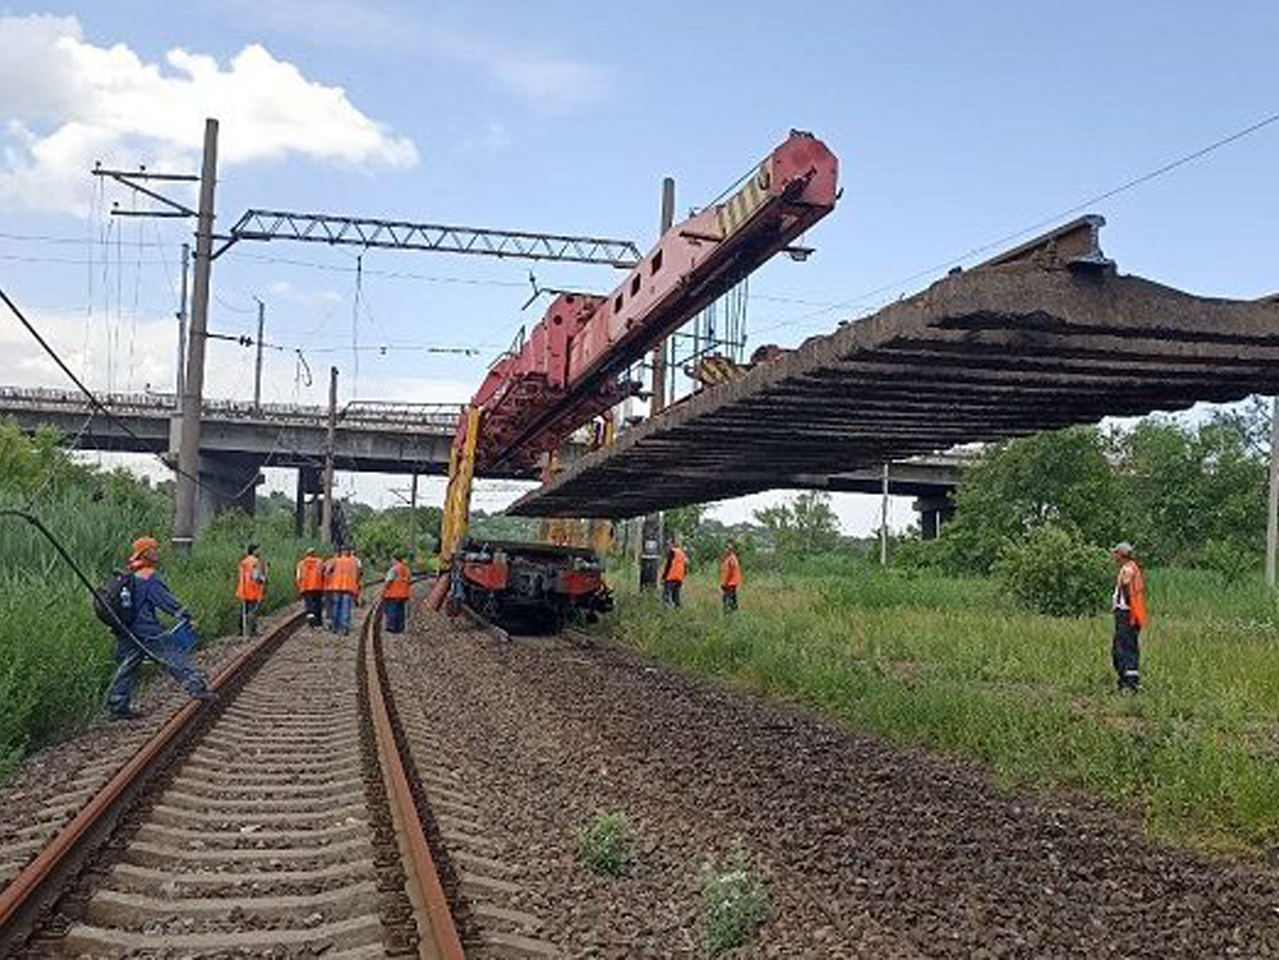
457, 501
600, 530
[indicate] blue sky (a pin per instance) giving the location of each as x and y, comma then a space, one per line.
955, 125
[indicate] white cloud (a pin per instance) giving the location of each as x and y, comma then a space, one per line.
69, 103
491, 137
106, 352
858, 513
288, 292
540, 80
537, 77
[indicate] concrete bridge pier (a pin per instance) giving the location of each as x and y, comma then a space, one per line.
310, 483
933, 512
226, 481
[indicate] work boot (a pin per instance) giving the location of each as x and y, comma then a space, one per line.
128, 713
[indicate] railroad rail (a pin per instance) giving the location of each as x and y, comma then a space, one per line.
280, 819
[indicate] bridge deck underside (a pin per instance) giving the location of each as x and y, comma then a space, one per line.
993, 353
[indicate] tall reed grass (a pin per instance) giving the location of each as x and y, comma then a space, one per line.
55, 656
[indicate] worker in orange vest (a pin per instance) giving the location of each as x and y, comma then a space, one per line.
326, 578
1129, 603
250, 588
730, 577
344, 584
673, 573
310, 580
396, 593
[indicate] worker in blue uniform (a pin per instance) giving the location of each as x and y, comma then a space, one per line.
145, 637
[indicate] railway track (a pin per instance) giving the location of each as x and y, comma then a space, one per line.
280, 821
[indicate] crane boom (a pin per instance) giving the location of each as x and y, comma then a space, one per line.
571, 366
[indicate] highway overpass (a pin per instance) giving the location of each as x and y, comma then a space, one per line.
238, 440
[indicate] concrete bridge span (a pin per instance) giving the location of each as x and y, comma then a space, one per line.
1042, 338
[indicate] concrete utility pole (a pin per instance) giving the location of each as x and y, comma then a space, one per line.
192, 394
651, 534
327, 521
658, 402
413, 517
180, 380
257, 370
1272, 511
883, 522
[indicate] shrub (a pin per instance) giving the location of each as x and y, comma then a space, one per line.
1051, 572
915, 555
735, 902
605, 844
1233, 562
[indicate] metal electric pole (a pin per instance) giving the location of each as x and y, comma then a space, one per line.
651, 534
1272, 510
193, 386
257, 370
327, 515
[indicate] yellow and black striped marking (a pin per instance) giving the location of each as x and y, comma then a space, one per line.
743, 205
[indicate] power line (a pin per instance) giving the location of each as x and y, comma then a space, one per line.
71, 241
388, 274
1039, 225
232, 307
89, 394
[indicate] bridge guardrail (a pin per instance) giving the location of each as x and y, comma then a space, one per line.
361, 414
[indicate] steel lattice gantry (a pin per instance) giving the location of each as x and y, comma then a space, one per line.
431, 237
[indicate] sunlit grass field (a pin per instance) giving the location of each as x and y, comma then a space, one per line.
950, 664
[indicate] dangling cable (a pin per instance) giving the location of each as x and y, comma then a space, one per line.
355, 324
123, 628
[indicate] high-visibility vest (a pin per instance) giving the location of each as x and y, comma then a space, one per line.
676, 565
346, 575
400, 586
730, 571
1136, 591
326, 573
251, 587
310, 574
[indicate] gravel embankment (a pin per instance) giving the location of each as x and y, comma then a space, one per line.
868, 850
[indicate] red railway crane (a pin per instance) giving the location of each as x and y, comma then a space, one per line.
572, 366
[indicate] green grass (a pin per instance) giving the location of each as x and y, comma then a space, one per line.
734, 902
55, 656
946, 663
605, 844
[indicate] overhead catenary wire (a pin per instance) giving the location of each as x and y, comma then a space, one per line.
89, 394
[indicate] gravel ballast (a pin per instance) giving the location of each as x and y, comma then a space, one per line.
866, 849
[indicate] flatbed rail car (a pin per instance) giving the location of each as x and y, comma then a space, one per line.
504, 580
